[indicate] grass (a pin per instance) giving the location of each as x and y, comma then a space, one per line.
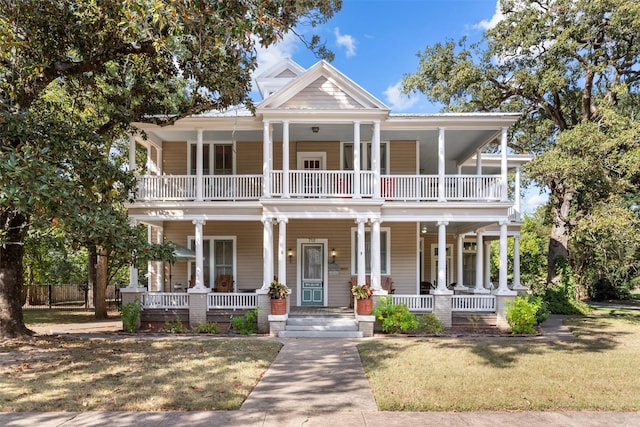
62, 374
43, 317
596, 371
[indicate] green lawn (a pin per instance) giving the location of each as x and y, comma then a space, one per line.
597, 371
43, 317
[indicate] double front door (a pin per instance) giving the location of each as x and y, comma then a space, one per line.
312, 274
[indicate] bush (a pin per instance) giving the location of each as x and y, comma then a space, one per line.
429, 324
395, 318
521, 314
130, 313
175, 327
206, 328
246, 325
562, 299
603, 289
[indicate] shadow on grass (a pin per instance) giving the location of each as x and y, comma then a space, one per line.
80, 375
596, 333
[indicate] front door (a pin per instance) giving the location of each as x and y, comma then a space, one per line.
312, 286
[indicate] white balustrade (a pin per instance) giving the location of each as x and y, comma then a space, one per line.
218, 300
473, 303
323, 184
165, 300
232, 187
414, 302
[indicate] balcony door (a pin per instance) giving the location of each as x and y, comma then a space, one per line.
309, 182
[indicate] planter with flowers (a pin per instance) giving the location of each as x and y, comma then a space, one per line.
364, 302
278, 293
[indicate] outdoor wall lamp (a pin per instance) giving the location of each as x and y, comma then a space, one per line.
333, 254
315, 129
290, 254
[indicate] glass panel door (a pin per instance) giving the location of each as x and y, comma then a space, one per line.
312, 274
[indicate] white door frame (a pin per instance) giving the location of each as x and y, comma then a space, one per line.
325, 273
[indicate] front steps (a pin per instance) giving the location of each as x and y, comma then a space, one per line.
320, 326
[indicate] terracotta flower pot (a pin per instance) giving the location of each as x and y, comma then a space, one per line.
364, 307
278, 306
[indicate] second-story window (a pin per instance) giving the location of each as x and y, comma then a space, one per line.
217, 159
365, 156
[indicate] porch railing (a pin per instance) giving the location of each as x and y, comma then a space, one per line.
473, 303
322, 184
220, 300
414, 302
165, 300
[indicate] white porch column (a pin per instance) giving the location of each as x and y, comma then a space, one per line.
478, 172
151, 265
159, 161
503, 288
362, 268
503, 165
199, 253
149, 161
266, 160
479, 288
375, 161
132, 152
441, 165
282, 250
133, 271
442, 257
516, 264
199, 156
487, 263
375, 255
517, 191
356, 160
267, 252
285, 160
160, 264
459, 261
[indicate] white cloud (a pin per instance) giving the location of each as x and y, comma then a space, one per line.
268, 57
397, 100
532, 199
490, 23
346, 41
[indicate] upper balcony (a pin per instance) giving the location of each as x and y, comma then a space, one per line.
322, 184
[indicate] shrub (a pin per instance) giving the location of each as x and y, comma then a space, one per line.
175, 327
246, 325
130, 313
521, 314
429, 324
395, 318
562, 299
206, 328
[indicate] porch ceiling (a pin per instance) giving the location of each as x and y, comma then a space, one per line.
460, 144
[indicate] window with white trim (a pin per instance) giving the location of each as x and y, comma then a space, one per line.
385, 252
217, 158
365, 157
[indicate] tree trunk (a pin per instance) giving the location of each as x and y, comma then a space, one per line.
11, 274
560, 230
91, 273
101, 283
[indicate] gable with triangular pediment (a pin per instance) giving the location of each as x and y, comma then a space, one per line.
322, 94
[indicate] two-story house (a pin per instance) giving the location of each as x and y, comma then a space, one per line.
324, 184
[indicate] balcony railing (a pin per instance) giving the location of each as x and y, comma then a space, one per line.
321, 184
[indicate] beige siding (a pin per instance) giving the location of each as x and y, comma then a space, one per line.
322, 94
402, 157
249, 158
174, 158
403, 256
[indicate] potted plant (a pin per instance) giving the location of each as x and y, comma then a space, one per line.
278, 293
364, 303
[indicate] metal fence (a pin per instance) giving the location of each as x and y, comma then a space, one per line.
39, 297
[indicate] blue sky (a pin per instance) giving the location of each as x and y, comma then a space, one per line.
376, 43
